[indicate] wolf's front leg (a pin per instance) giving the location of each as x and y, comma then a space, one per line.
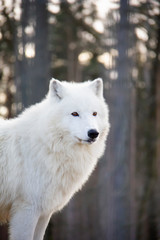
23, 223
41, 227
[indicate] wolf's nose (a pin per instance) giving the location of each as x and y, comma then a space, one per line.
92, 133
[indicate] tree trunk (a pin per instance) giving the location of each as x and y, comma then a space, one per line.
157, 76
32, 66
120, 187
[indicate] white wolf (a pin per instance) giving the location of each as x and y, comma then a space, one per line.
48, 153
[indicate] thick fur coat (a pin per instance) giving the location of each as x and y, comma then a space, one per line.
47, 154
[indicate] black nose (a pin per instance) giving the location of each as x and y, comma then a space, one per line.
93, 133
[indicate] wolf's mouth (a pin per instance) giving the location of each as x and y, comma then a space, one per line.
90, 141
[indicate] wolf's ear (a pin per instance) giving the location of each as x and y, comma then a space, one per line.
56, 89
97, 86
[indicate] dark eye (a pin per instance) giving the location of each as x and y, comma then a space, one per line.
94, 113
75, 114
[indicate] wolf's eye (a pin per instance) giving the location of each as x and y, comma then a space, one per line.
75, 114
94, 113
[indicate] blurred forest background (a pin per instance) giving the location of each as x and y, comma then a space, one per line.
77, 40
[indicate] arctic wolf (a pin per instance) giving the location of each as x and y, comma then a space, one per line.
48, 153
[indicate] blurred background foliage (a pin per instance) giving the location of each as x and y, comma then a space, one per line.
80, 40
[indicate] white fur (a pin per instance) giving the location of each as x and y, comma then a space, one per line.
45, 157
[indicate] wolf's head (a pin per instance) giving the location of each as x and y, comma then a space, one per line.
80, 109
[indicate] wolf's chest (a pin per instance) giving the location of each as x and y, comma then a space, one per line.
72, 175
69, 183
67, 179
